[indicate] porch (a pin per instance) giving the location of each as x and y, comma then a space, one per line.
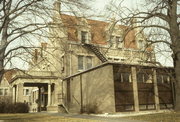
115, 87
42, 94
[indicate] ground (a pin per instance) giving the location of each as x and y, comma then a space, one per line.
40, 118
46, 117
160, 117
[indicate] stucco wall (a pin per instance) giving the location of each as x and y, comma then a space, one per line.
97, 91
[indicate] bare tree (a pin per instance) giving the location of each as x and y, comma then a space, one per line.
23, 23
160, 22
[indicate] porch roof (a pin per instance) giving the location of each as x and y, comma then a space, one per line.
32, 77
119, 64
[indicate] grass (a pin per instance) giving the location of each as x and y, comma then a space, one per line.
159, 117
40, 118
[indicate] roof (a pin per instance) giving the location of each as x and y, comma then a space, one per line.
32, 77
98, 31
9, 74
115, 63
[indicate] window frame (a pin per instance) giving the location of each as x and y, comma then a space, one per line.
84, 36
6, 91
82, 63
2, 89
25, 92
89, 57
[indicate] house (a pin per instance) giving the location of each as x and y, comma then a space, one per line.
5, 87
79, 45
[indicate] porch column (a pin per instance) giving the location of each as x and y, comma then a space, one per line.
156, 95
49, 94
14, 94
16, 91
135, 89
39, 99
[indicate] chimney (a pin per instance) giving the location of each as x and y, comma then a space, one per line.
35, 55
43, 45
57, 6
133, 22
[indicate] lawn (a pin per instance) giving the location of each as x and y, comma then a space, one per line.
159, 117
39, 118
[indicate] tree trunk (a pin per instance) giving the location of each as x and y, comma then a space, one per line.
177, 77
1, 65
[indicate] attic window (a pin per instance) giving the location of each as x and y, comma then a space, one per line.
141, 44
118, 39
84, 35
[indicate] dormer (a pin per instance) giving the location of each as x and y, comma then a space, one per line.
114, 35
84, 31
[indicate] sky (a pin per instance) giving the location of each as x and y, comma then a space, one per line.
163, 57
99, 7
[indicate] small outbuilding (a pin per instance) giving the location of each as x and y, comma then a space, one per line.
117, 87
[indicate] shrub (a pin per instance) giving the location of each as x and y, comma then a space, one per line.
21, 108
91, 109
6, 106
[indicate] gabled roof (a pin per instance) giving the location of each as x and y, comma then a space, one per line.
98, 31
9, 74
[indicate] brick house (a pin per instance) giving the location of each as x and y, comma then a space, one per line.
78, 45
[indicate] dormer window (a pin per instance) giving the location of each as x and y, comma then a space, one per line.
141, 44
119, 42
117, 39
84, 36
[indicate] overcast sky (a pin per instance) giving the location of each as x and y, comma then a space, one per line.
99, 6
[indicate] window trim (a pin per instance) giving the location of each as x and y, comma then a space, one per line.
78, 68
91, 57
3, 91
85, 36
25, 93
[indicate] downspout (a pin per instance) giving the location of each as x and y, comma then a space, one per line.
81, 93
70, 61
63, 104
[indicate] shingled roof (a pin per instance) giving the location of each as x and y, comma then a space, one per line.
9, 74
98, 31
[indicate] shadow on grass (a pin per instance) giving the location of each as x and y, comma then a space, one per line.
21, 118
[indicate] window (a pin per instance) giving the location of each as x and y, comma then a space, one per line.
80, 63
141, 44
89, 62
26, 92
116, 59
165, 79
118, 39
125, 77
159, 79
119, 42
140, 77
83, 36
111, 39
1, 91
5, 91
